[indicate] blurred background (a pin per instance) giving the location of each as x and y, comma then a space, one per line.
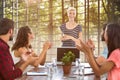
46, 16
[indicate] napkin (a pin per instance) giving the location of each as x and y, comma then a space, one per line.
86, 65
37, 73
86, 71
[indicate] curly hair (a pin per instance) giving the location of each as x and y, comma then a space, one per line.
22, 38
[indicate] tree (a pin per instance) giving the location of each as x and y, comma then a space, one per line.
112, 9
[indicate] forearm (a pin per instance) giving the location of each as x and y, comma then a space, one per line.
19, 63
74, 39
80, 36
9, 72
24, 65
42, 58
93, 64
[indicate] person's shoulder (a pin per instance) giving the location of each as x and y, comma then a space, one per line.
79, 25
116, 51
63, 25
3, 46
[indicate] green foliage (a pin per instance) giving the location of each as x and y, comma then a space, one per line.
68, 58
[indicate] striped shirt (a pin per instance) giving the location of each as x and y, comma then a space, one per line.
72, 32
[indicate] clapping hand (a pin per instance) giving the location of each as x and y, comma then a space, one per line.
82, 46
47, 45
91, 44
31, 59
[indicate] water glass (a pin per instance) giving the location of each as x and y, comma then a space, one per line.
77, 62
50, 69
54, 61
81, 71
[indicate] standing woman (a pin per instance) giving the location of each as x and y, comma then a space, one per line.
22, 47
112, 64
71, 30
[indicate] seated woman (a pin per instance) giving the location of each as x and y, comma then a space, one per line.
22, 47
112, 64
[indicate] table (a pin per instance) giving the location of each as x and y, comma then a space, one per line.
57, 75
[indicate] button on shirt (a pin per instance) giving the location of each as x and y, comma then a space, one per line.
8, 71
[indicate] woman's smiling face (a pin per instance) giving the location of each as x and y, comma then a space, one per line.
71, 14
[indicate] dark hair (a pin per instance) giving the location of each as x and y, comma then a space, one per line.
102, 36
6, 25
113, 33
22, 38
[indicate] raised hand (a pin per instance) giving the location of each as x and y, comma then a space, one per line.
91, 44
47, 45
82, 46
31, 60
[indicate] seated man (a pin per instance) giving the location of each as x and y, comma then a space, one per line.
8, 70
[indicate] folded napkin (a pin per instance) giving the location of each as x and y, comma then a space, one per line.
86, 71
37, 73
86, 65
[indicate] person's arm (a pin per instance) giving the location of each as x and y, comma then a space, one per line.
67, 37
30, 60
19, 63
42, 56
80, 35
100, 60
103, 68
7, 69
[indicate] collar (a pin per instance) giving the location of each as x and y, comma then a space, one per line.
4, 42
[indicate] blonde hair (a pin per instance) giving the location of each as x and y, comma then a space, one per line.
71, 8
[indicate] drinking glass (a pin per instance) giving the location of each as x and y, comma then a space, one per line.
49, 69
77, 62
81, 71
54, 61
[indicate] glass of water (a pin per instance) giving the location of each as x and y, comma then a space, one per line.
54, 61
77, 62
81, 71
49, 69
